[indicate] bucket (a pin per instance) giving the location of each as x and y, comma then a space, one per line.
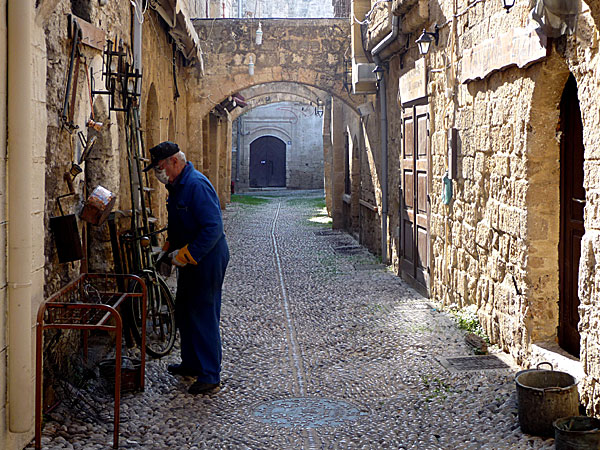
130, 373
544, 396
98, 206
577, 433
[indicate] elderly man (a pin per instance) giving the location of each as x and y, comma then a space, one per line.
197, 246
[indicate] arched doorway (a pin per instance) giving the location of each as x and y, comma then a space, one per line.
267, 162
572, 203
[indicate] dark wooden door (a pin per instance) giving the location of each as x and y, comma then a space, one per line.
267, 162
414, 204
572, 202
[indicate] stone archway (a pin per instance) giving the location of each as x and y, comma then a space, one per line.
303, 51
540, 287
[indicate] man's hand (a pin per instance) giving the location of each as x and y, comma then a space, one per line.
177, 259
182, 257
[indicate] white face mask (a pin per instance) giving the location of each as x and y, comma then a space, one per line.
161, 175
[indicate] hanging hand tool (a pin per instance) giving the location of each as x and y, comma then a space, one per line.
67, 117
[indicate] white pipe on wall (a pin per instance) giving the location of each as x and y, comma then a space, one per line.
19, 170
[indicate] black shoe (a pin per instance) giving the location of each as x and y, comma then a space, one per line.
204, 388
178, 369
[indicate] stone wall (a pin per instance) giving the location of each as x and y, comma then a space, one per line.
299, 128
496, 244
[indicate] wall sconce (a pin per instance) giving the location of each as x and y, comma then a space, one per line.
251, 67
319, 108
378, 71
425, 40
508, 4
259, 34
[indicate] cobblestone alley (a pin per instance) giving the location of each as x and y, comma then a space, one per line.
323, 349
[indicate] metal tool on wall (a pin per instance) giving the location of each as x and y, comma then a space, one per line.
67, 113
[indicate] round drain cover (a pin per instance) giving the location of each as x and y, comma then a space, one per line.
307, 412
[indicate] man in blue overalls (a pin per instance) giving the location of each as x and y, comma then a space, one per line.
196, 245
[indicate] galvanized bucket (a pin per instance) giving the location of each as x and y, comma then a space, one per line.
577, 433
544, 396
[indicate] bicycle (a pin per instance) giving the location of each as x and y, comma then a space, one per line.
135, 253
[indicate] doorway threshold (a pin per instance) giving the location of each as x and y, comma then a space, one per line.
560, 359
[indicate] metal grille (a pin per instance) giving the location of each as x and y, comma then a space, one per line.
369, 267
326, 232
307, 412
466, 363
348, 249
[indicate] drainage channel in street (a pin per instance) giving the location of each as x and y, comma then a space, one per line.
301, 411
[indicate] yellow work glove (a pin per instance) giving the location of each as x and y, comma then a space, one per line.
182, 257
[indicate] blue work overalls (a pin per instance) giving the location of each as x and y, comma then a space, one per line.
195, 220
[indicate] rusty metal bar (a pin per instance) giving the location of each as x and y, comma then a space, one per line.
55, 313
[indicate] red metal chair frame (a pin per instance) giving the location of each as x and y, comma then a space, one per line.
71, 308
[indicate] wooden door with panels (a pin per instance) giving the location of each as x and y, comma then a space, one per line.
414, 196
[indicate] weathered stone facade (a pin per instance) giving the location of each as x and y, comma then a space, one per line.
169, 54
497, 243
297, 126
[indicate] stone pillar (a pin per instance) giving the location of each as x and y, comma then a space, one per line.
228, 149
327, 157
195, 138
338, 154
214, 141
205, 143
224, 155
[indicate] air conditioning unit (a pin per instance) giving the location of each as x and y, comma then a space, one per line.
364, 80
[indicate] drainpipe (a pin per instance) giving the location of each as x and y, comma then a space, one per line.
20, 161
384, 137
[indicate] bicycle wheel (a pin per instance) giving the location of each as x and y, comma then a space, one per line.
160, 316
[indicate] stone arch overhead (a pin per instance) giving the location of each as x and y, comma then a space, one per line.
270, 100
270, 93
275, 131
303, 51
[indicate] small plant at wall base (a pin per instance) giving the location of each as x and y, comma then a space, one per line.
466, 319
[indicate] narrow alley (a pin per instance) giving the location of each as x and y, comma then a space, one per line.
323, 348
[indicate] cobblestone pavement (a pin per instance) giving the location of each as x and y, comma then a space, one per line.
323, 349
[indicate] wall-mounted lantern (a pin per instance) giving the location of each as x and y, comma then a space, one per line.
426, 38
251, 66
259, 34
319, 108
378, 71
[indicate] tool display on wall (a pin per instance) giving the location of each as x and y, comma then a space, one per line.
135, 249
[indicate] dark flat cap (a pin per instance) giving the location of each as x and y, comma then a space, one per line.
160, 152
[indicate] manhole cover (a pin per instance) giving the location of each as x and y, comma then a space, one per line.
307, 412
473, 363
369, 266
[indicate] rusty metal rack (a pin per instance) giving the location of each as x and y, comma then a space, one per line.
89, 303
